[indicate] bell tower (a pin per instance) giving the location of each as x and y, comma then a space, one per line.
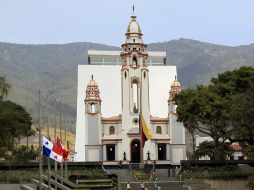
174, 89
93, 100
93, 122
134, 82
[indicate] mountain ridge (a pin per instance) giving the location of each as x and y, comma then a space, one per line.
53, 67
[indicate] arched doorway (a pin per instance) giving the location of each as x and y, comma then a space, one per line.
135, 151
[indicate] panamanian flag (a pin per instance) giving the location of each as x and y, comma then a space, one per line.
52, 151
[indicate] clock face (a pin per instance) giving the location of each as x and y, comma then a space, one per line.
135, 121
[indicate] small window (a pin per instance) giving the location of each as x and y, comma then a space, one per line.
144, 74
111, 130
134, 40
129, 49
158, 130
125, 74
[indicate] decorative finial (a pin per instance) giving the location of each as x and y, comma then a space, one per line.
133, 12
92, 76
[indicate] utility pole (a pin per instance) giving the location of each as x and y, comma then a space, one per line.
40, 151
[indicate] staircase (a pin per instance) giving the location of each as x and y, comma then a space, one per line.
78, 182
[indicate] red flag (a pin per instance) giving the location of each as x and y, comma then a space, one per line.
60, 145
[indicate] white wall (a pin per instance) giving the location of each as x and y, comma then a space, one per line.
108, 79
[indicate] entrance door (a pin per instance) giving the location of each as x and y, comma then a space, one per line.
135, 151
110, 152
162, 152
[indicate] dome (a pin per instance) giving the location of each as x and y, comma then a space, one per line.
175, 83
92, 82
133, 26
175, 89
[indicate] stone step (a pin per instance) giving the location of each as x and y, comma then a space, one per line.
123, 174
82, 181
94, 186
26, 187
194, 181
245, 168
199, 186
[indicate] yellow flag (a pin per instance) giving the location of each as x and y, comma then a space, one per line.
145, 129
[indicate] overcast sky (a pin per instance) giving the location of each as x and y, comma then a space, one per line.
228, 22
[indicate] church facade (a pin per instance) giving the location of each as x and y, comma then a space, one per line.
118, 138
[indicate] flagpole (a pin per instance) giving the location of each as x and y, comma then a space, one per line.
65, 141
49, 166
40, 150
140, 127
60, 126
55, 139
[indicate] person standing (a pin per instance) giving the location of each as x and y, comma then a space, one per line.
155, 183
142, 185
128, 186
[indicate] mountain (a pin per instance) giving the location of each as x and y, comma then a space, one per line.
53, 68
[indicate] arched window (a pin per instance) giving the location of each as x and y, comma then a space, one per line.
134, 61
134, 40
111, 130
135, 96
144, 74
158, 130
125, 74
92, 108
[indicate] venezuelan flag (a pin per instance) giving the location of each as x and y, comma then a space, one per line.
146, 133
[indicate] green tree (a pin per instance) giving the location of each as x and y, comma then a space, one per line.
24, 154
15, 122
242, 115
206, 148
214, 109
237, 87
203, 110
4, 89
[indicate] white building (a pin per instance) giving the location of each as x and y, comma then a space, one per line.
129, 85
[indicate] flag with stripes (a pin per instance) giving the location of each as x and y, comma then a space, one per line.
146, 134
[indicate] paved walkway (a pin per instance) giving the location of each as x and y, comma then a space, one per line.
11, 186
